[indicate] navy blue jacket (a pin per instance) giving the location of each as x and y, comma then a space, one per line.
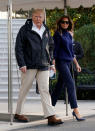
31, 50
63, 46
78, 50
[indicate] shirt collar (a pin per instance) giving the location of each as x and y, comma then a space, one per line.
39, 31
34, 26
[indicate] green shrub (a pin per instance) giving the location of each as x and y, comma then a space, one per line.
86, 36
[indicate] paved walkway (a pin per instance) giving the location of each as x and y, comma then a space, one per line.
33, 110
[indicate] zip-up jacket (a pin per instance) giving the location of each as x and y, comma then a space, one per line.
31, 50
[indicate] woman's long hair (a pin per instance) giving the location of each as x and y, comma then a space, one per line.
70, 27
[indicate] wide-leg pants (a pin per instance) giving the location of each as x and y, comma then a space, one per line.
42, 78
64, 80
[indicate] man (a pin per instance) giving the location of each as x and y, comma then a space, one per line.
79, 54
34, 52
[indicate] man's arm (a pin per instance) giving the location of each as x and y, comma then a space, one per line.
78, 51
51, 49
19, 48
77, 65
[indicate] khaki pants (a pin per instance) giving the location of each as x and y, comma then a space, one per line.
42, 78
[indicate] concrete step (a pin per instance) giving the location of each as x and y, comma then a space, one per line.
14, 79
3, 40
14, 21
5, 54
3, 44
2, 49
2, 60
5, 36
15, 92
5, 66
16, 98
15, 85
16, 74
6, 31
5, 72
14, 27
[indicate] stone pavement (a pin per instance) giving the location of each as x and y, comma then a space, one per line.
69, 125
33, 110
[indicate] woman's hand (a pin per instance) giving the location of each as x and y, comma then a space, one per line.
77, 65
78, 68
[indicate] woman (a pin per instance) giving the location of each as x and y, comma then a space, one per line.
63, 54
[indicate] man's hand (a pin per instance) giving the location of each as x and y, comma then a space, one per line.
23, 69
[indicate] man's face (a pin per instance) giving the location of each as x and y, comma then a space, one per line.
38, 18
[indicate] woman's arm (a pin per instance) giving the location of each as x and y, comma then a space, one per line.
77, 65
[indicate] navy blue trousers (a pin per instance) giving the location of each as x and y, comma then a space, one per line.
64, 80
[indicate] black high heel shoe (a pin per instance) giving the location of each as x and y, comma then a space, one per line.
78, 119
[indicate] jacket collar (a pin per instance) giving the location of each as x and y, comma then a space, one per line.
29, 24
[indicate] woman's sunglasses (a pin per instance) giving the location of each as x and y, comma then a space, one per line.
64, 22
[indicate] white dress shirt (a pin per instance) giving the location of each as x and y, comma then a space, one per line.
39, 31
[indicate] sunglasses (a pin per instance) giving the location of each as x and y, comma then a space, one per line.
64, 22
